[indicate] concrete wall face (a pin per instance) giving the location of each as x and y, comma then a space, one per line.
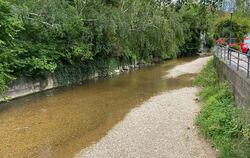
238, 81
25, 86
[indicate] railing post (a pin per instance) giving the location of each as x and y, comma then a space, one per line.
221, 52
225, 50
238, 61
218, 49
248, 64
216, 52
230, 56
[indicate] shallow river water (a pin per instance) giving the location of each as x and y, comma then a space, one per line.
59, 123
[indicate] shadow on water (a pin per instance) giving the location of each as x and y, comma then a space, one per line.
59, 123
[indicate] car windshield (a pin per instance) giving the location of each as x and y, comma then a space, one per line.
247, 41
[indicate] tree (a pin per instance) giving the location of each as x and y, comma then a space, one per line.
241, 27
9, 27
94, 34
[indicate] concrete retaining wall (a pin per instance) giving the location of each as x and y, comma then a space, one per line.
26, 86
238, 80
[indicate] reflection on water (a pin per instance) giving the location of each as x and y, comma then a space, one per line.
59, 123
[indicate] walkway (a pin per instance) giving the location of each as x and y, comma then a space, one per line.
235, 59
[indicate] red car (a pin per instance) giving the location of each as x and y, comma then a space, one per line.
245, 45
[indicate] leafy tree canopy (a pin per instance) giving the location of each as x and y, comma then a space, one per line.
41, 37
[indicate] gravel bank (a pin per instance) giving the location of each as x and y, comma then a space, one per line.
162, 127
189, 68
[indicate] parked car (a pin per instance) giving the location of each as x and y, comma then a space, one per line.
245, 45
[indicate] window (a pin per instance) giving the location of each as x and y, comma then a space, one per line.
247, 41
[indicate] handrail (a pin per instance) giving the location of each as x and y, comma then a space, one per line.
236, 57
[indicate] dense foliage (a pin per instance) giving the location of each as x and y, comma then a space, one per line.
51, 36
57, 36
220, 119
220, 20
9, 27
241, 26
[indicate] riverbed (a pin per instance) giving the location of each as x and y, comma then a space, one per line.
62, 122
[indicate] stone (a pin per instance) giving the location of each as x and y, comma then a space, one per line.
117, 71
126, 68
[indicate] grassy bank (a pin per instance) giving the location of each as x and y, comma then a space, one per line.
220, 120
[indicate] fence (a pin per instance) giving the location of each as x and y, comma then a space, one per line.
234, 57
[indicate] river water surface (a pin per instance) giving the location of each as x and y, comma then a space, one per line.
59, 123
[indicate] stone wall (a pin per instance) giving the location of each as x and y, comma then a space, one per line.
238, 80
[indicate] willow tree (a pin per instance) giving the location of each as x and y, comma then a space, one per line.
94, 34
9, 51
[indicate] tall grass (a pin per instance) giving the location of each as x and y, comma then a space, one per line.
220, 119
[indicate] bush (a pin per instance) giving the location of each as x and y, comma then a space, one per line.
237, 47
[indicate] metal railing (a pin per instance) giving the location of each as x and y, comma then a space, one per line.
234, 57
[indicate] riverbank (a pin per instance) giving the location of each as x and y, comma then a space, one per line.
220, 120
163, 126
24, 86
160, 127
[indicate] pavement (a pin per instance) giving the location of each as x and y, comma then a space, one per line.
234, 60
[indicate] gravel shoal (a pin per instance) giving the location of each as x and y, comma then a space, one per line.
162, 127
188, 68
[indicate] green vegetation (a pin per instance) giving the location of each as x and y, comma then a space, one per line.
220, 120
9, 27
38, 38
220, 21
241, 26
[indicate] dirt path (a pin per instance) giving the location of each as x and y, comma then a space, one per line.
162, 127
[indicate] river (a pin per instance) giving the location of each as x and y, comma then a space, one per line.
59, 123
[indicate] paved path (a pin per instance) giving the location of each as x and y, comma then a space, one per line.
234, 57
162, 127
